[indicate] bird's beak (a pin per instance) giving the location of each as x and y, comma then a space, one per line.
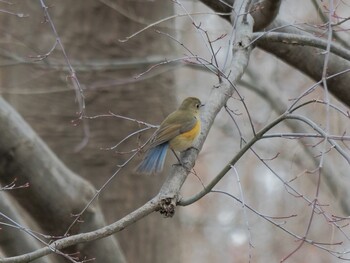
201, 105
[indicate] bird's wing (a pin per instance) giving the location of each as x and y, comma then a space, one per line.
188, 124
171, 127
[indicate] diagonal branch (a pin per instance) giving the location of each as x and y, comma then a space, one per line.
217, 100
55, 192
338, 189
106, 231
15, 238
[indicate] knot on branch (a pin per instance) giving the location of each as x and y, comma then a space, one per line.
167, 207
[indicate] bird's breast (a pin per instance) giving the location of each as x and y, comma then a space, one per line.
185, 140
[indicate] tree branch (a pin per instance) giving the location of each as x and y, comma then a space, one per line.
337, 188
231, 163
305, 59
217, 100
15, 239
106, 231
263, 12
301, 40
249, 144
55, 193
309, 60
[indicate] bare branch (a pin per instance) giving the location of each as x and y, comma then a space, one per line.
20, 15
106, 231
79, 93
50, 198
17, 238
228, 167
305, 59
217, 100
302, 40
249, 144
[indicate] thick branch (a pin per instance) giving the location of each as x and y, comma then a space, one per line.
214, 104
305, 59
263, 12
309, 60
106, 231
55, 193
302, 40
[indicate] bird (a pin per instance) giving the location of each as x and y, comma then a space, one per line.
178, 131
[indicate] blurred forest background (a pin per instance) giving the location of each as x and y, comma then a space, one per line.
38, 80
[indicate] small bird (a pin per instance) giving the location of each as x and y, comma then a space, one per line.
177, 131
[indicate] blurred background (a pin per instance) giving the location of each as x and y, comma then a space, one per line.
269, 87
34, 79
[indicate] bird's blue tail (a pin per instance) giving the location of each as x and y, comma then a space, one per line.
154, 160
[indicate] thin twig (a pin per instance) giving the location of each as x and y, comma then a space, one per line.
79, 93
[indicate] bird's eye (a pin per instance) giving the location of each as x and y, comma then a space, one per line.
197, 106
